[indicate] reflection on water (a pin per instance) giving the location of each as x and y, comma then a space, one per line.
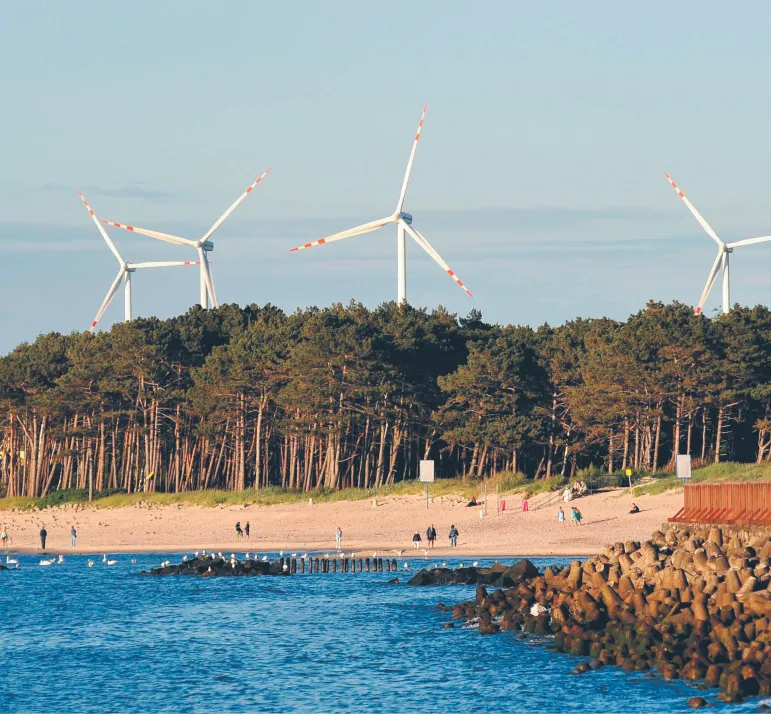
101, 639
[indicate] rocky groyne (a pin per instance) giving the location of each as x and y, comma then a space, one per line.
211, 565
691, 602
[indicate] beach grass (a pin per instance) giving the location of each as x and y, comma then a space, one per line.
714, 473
504, 483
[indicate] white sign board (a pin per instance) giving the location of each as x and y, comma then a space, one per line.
426, 471
683, 468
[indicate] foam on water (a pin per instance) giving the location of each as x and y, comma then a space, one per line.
101, 639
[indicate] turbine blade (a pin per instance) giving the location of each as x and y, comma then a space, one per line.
350, 233
233, 206
152, 234
407, 173
164, 264
696, 214
107, 240
108, 298
749, 241
710, 282
423, 243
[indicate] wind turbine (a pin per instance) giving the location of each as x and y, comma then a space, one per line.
202, 245
403, 221
724, 250
124, 272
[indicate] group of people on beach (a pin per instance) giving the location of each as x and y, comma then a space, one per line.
431, 537
575, 516
6, 541
241, 532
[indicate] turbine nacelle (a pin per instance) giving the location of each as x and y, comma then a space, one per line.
207, 245
406, 217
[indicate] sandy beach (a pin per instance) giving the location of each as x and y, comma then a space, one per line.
389, 526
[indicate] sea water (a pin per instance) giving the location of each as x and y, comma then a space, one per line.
103, 639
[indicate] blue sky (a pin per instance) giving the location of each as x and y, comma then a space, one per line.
539, 176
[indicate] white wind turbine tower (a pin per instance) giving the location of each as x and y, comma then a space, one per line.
124, 272
202, 245
724, 250
403, 223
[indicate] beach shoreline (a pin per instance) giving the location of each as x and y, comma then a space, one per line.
385, 528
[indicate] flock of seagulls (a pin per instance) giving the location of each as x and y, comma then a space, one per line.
13, 563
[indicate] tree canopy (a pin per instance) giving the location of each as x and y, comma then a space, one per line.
344, 396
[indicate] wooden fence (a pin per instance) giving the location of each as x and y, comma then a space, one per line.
741, 504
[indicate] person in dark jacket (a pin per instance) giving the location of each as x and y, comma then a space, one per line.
43, 536
416, 541
453, 536
431, 535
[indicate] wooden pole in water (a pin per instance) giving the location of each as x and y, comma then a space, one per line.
393, 564
334, 565
302, 565
293, 569
366, 565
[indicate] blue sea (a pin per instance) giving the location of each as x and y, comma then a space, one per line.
102, 639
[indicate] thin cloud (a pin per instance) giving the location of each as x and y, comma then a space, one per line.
131, 191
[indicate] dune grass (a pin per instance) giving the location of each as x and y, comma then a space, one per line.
715, 473
503, 483
263, 497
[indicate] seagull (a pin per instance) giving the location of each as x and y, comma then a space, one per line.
50, 561
474, 564
184, 558
374, 554
285, 567
294, 555
399, 552
11, 561
247, 556
264, 558
406, 566
111, 562
196, 553
461, 566
61, 559
220, 554
281, 554
444, 564
133, 561
304, 556
91, 563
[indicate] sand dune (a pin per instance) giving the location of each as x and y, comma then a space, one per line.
387, 527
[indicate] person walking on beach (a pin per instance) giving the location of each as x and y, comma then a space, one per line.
4, 538
239, 532
525, 506
431, 535
73, 535
246, 529
453, 536
43, 536
339, 538
575, 516
416, 541
561, 516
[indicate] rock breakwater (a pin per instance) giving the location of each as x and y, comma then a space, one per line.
691, 602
